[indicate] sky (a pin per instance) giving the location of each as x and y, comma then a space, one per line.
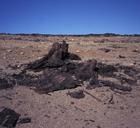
70, 16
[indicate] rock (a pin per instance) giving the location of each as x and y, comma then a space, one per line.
9, 50
8, 118
77, 94
4, 84
77, 51
120, 56
24, 120
136, 50
21, 53
105, 49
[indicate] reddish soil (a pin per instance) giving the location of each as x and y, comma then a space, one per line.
57, 109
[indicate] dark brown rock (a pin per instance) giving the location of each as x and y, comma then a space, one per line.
8, 118
120, 56
24, 120
4, 83
105, 50
77, 94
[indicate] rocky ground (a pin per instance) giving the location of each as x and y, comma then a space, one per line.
101, 107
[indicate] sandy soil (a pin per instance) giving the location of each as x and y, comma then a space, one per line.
60, 110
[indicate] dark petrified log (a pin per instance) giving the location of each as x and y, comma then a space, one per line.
55, 58
59, 71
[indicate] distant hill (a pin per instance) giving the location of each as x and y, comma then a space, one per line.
77, 35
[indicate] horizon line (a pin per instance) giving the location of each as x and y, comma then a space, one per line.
62, 34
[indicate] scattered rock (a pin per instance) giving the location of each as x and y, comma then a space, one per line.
24, 120
8, 118
4, 84
111, 101
136, 50
21, 53
9, 50
72, 102
77, 51
120, 56
77, 94
105, 50
90, 120
98, 126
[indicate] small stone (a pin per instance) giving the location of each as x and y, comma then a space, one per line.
120, 56
9, 50
72, 102
98, 126
24, 120
136, 50
77, 94
21, 53
77, 51
121, 107
18, 66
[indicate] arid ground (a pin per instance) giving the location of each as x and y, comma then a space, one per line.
59, 110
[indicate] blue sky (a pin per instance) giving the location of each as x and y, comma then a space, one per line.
70, 16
